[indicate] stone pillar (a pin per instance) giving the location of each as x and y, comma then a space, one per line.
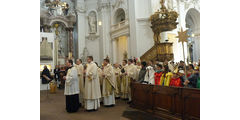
81, 28
114, 47
132, 39
104, 8
128, 47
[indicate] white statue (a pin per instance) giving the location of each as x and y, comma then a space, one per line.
60, 47
59, 10
92, 22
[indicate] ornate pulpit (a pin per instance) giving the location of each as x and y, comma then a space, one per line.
160, 51
162, 21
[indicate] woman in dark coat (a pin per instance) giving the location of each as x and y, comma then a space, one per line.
46, 76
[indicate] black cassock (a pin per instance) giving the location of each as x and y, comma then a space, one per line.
72, 103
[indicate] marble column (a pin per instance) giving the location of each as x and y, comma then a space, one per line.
128, 46
104, 8
81, 28
132, 38
114, 47
70, 41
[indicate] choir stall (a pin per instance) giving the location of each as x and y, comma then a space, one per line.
171, 103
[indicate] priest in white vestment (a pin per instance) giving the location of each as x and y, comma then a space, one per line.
124, 80
117, 79
80, 68
131, 76
108, 84
100, 72
92, 92
139, 67
71, 88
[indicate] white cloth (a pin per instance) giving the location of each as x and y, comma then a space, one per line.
92, 91
92, 85
171, 67
109, 100
81, 82
72, 82
91, 104
149, 76
131, 73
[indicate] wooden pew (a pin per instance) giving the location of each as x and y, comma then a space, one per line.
173, 103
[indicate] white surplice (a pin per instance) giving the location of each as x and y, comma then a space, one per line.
72, 82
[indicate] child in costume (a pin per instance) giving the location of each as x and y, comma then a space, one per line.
158, 74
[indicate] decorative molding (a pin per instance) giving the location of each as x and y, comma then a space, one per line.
118, 3
120, 32
103, 5
143, 20
92, 37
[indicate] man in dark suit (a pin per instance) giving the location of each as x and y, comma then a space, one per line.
56, 73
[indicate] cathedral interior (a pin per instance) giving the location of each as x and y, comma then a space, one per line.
117, 29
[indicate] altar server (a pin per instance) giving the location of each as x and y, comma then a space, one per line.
71, 88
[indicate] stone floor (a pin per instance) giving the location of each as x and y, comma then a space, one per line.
53, 108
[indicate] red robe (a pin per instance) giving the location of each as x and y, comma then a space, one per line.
157, 77
175, 82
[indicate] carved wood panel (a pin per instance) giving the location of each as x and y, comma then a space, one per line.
167, 102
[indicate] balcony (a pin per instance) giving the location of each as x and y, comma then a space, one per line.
120, 29
119, 25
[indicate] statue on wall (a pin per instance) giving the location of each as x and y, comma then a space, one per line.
92, 22
84, 55
46, 50
60, 47
57, 8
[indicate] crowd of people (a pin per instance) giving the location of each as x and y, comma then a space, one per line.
88, 84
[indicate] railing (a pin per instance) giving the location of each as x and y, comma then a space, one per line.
119, 25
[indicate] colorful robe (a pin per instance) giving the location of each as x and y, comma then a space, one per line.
176, 82
165, 79
157, 77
